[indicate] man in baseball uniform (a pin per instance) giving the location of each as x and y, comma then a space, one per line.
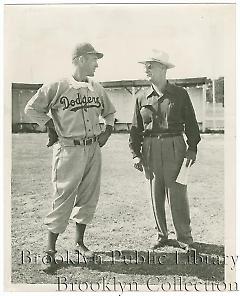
70, 110
162, 113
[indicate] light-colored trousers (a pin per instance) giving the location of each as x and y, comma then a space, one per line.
76, 173
162, 162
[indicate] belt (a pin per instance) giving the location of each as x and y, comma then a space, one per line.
163, 135
85, 142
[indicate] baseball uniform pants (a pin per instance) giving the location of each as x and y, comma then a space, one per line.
162, 162
76, 173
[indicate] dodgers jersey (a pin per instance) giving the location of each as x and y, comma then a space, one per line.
75, 111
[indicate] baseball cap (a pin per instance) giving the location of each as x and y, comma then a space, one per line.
85, 48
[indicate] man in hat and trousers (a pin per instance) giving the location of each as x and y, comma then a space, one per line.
74, 104
162, 114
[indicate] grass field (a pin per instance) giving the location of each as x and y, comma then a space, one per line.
123, 221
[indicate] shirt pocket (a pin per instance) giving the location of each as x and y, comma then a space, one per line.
174, 112
146, 112
147, 115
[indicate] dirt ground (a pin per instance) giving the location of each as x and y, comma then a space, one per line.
123, 226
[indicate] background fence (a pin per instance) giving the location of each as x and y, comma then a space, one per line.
206, 95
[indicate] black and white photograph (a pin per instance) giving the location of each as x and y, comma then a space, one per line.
120, 147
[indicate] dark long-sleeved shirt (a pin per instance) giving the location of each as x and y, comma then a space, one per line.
169, 112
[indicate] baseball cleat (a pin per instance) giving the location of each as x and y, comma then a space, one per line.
84, 251
49, 264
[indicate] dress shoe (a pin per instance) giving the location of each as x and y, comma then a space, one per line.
160, 243
187, 246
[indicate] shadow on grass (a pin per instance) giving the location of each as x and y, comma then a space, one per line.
204, 261
209, 249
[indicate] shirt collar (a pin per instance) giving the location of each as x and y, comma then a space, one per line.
153, 88
79, 84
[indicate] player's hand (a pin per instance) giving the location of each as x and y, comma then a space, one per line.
102, 138
52, 137
191, 156
137, 163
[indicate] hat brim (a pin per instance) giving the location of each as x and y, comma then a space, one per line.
168, 65
98, 54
